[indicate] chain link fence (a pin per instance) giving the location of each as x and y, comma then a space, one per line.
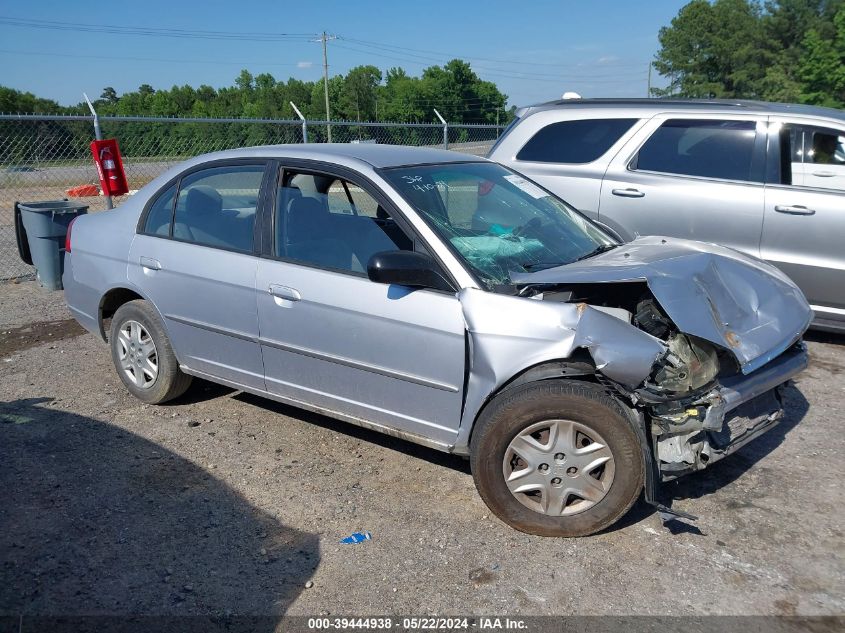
42, 157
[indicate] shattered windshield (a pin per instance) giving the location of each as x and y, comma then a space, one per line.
497, 220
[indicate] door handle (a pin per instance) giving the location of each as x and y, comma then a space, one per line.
795, 209
630, 192
824, 174
283, 292
150, 263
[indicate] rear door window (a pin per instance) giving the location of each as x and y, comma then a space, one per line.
702, 147
811, 156
574, 142
216, 206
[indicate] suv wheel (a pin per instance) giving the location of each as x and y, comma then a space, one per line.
557, 458
143, 356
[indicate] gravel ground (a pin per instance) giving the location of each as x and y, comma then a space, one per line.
226, 503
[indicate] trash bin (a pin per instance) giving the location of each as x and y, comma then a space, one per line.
43, 226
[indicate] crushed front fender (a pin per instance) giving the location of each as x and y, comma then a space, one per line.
509, 334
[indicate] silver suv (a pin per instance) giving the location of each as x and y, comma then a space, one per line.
764, 178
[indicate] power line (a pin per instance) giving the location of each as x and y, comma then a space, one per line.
508, 74
205, 61
269, 36
401, 53
147, 59
406, 57
488, 59
387, 51
150, 31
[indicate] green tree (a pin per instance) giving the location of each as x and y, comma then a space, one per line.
357, 99
244, 82
785, 50
109, 95
399, 98
821, 66
317, 109
15, 101
712, 50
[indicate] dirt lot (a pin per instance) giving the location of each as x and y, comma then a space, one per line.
224, 503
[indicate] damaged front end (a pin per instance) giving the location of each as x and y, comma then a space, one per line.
698, 405
691, 433
698, 341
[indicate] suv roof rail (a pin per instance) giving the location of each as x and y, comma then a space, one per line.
675, 102
737, 103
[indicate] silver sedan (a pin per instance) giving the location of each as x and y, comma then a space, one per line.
447, 300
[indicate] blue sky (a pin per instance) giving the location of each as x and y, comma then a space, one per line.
534, 51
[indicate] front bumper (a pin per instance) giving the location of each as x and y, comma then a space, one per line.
740, 409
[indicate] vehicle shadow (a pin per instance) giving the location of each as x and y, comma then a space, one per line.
406, 447
200, 391
731, 468
819, 336
98, 526
720, 474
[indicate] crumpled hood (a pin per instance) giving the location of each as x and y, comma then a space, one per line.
715, 293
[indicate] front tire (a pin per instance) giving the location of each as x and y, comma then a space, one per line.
143, 356
557, 458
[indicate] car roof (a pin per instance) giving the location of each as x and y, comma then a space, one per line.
721, 105
373, 154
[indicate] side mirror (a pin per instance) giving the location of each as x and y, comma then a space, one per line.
406, 268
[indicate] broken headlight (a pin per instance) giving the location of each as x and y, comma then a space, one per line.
689, 365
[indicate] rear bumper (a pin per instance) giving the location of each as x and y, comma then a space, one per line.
81, 300
738, 411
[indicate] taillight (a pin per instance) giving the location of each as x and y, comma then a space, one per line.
67, 237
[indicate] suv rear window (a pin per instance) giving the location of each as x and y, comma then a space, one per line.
581, 141
701, 147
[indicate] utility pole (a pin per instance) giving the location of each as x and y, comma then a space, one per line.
324, 38
648, 92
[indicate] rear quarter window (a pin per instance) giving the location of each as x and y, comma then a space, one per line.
159, 215
574, 142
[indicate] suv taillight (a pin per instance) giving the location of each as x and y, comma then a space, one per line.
67, 237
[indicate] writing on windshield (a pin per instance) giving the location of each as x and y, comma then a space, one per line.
498, 221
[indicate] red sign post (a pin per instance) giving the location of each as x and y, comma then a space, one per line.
109, 167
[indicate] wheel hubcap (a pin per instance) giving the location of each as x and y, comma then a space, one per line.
137, 354
558, 467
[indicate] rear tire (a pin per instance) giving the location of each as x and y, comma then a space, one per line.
143, 356
557, 458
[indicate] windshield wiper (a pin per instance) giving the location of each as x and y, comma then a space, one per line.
529, 266
598, 251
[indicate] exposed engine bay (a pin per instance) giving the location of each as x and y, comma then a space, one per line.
689, 422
